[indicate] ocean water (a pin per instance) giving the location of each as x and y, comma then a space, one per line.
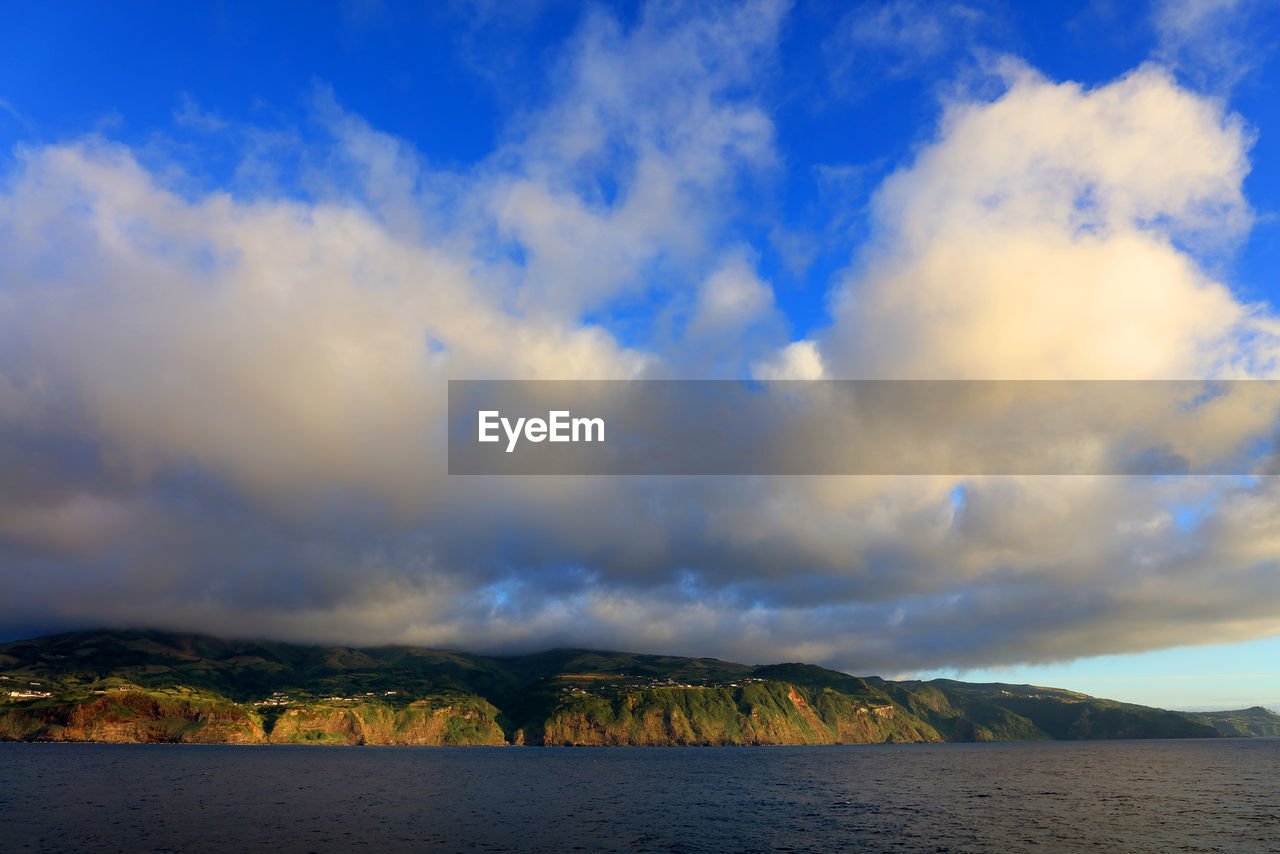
1211, 795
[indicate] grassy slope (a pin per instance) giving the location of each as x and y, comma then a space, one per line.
145, 685
1253, 721
1063, 714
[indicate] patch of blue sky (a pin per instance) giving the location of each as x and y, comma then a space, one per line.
1187, 515
455, 83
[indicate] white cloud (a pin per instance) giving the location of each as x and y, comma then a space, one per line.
256, 382
1039, 238
900, 38
1215, 43
799, 360
284, 344
638, 162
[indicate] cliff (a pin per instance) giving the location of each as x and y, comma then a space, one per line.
758, 713
132, 716
166, 687
456, 721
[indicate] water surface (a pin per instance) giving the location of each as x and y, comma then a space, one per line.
1211, 795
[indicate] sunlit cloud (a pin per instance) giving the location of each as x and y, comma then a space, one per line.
222, 401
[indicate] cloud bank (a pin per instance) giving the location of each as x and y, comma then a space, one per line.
222, 408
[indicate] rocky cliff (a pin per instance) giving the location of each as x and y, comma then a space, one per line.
165, 687
759, 713
127, 717
464, 721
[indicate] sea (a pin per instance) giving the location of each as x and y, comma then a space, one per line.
1100, 796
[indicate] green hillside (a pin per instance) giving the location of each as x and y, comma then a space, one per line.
1253, 721
130, 686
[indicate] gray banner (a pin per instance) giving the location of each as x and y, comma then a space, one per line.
670, 427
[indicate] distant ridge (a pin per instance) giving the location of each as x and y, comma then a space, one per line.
158, 686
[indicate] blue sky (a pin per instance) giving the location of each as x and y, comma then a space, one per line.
451, 80
244, 247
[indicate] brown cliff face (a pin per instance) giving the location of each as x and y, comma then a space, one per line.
772, 713
136, 717
768, 714
127, 717
421, 723
319, 726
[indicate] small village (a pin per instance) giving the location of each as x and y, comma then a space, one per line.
279, 698
623, 682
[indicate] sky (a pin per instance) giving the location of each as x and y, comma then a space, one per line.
243, 247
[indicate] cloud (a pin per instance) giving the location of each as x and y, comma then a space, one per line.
799, 360
12, 112
1042, 238
191, 116
899, 39
254, 339
1215, 43
636, 165
222, 408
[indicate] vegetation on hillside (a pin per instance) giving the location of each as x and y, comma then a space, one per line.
147, 686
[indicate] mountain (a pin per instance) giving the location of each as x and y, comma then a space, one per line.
1252, 721
152, 686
